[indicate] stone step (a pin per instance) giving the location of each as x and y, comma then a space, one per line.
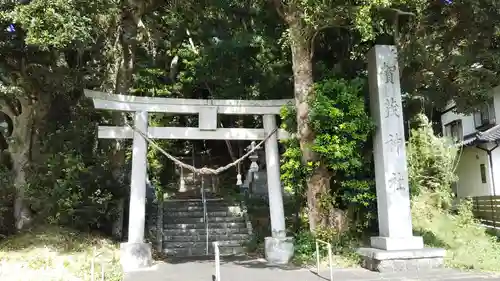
199, 214
199, 208
201, 244
202, 231
187, 252
198, 202
202, 238
216, 225
181, 220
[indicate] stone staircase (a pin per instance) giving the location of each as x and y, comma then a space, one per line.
184, 229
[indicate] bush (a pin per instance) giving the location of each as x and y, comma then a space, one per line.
71, 183
467, 243
431, 163
343, 247
67, 192
342, 128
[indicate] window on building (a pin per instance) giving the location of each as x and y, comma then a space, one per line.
485, 116
454, 130
482, 167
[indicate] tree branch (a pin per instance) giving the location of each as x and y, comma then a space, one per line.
399, 12
279, 9
7, 109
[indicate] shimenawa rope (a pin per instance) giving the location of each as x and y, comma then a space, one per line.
204, 170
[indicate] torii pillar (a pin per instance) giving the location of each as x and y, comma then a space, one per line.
278, 248
136, 254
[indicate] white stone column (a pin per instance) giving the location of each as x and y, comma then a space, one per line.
278, 248
137, 213
136, 254
395, 249
276, 211
391, 173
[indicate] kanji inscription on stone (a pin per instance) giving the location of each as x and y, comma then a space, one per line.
391, 107
397, 182
388, 71
395, 142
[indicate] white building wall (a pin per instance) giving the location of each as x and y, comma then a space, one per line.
468, 170
469, 173
467, 121
495, 157
496, 102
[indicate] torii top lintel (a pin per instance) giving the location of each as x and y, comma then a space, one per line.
184, 106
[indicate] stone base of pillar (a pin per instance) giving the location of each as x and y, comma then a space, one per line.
402, 260
395, 244
279, 250
134, 256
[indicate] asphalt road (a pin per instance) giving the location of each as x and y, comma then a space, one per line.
257, 270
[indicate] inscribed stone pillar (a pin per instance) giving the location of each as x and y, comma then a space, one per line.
391, 173
136, 254
278, 248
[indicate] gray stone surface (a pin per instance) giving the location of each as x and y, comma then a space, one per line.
134, 256
185, 232
259, 270
278, 250
401, 261
137, 202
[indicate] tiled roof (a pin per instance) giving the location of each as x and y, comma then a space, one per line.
490, 135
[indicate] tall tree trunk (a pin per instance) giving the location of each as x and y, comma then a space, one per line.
121, 51
318, 182
19, 145
119, 81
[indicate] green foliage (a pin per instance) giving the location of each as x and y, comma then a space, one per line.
431, 163
74, 185
343, 247
467, 243
61, 23
342, 127
67, 192
341, 123
363, 16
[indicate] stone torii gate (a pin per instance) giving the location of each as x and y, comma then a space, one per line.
395, 249
135, 253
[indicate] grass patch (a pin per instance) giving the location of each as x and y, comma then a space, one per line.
468, 245
343, 249
348, 259
54, 253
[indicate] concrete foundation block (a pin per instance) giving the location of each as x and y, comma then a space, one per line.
396, 244
135, 256
279, 250
402, 260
